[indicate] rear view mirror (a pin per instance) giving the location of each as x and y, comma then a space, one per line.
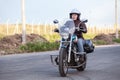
84, 20
55, 21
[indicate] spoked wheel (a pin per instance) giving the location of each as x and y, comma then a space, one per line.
82, 68
63, 69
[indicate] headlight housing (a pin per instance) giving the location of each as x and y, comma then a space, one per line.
64, 35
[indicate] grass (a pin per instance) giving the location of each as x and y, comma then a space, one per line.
43, 29
116, 40
38, 46
47, 32
99, 42
1, 36
89, 36
45, 46
51, 38
56, 36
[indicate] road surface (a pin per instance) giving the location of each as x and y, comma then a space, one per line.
103, 64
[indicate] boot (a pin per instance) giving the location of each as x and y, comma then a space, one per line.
81, 56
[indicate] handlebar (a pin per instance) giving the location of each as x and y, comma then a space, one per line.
56, 30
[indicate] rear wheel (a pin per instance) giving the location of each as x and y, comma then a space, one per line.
63, 69
82, 68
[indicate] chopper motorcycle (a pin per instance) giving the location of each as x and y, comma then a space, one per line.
68, 56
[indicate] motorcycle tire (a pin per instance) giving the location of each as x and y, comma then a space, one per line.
63, 69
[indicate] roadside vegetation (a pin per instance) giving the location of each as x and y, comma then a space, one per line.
116, 40
101, 39
45, 42
42, 38
39, 46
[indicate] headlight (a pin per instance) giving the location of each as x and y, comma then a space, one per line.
66, 29
64, 35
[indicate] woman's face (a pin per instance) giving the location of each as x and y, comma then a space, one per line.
74, 16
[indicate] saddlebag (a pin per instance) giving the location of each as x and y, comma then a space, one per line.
88, 46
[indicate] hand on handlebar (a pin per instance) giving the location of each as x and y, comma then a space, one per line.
80, 29
56, 30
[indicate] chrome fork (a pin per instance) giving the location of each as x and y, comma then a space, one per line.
69, 54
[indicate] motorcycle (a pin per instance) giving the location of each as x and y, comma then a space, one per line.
68, 50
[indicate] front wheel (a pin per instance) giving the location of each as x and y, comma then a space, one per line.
63, 69
82, 68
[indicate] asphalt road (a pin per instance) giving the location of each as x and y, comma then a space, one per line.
103, 64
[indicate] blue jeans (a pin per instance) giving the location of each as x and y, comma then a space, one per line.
80, 44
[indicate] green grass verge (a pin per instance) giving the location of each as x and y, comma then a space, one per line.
38, 46
116, 40
99, 42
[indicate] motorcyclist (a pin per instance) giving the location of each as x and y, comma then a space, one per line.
75, 15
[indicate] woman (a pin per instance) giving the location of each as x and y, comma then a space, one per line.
75, 15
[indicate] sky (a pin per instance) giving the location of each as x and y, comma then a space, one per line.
45, 11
